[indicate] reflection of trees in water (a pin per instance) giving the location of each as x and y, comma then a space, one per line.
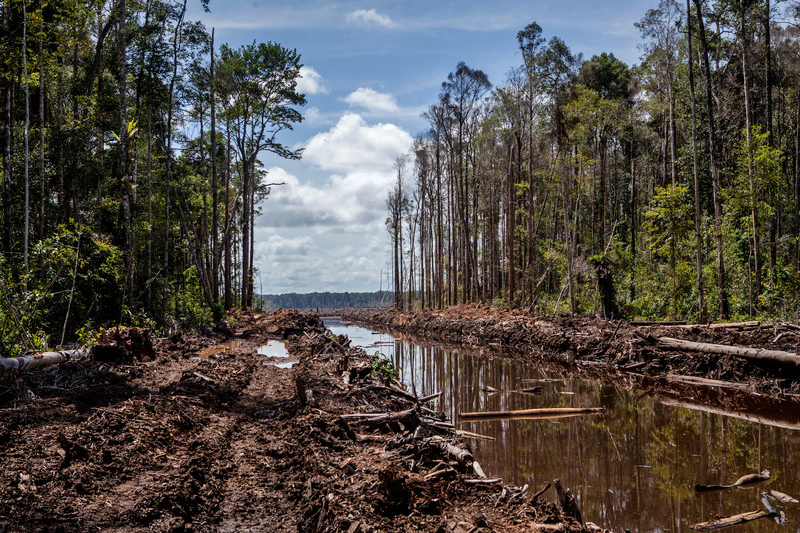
634, 467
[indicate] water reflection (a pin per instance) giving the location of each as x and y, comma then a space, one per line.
635, 466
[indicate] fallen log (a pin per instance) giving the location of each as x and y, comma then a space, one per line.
658, 323
723, 349
553, 412
493, 481
408, 420
29, 362
464, 457
721, 325
393, 390
785, 498
728, 521
530, 390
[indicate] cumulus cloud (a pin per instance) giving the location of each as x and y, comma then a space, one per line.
368, 18
279, 247
310, 81
354, 146
372, 100
329, 233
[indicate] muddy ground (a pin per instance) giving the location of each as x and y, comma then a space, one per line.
181, 437
615, 347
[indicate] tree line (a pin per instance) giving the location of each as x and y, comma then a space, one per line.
667, 189
130, 171
326, 300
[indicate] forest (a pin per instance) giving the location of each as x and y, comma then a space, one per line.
664, 190
131, 178
130, 170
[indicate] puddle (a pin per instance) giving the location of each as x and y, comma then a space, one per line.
633, 467
287, 364
274, 349
220, 349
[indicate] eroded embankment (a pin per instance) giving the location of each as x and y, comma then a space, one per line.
205, 434
588, 340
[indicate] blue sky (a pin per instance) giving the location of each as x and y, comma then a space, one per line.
371, 68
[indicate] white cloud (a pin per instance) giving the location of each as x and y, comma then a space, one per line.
368, 18
278, 246
330, 234
372, 100
353, 146
310, 81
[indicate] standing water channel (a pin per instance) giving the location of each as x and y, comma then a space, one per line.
634, 466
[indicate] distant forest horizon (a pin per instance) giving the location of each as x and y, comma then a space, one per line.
326, 300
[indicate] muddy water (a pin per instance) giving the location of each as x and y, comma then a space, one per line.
635, 466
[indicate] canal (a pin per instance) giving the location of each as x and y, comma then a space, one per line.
633, 467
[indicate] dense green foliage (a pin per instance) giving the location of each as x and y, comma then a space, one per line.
669, 189
130, 178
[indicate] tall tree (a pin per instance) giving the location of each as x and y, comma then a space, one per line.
260, 82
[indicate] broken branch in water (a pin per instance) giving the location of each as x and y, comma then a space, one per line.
729, 521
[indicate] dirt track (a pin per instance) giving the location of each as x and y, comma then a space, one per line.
168, 441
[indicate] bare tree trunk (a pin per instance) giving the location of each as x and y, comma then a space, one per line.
246, 170
214, 216
124, 157
41, 138
27, 131
673, 135
228, 281
8, 116
724, 311
701, 304
510, 227
749, 139
177, 40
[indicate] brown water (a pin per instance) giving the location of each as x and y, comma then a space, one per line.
635, 466
220, 348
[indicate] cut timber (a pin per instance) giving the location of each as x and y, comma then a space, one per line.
409, 420
721, 325
29, 362
555, 412
459, 454
724, 349
729, 521
655, 323
493, 481
464, 457
750, 324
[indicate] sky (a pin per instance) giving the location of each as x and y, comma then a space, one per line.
370, 68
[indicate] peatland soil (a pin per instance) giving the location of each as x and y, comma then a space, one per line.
201, 432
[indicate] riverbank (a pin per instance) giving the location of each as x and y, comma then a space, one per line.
617, 345
202, 432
